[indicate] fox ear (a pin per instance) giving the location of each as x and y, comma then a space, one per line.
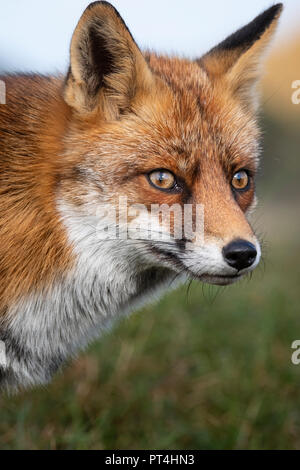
107, 69
237, 60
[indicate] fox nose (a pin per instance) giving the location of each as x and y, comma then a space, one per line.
240, 254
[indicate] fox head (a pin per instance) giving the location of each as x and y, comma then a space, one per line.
163, 130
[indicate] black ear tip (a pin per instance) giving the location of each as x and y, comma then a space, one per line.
246, 36
264, 20
278, 7
273, 11
271, 14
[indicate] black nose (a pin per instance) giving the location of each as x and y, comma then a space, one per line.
240, 254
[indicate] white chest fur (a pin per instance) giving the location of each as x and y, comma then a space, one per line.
45, 328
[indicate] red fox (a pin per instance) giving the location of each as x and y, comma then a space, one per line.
153, 129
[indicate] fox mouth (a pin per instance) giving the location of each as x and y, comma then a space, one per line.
220, 280
215, 279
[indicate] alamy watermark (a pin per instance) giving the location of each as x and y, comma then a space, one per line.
2, 92
296, 94
159, 222
3, 362
296, 354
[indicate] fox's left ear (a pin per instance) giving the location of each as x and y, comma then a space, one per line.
236, 61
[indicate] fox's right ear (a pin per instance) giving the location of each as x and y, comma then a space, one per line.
107, 69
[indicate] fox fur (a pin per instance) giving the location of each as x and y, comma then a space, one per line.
71, 143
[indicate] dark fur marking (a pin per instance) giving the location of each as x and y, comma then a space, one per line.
102, 59
245, 37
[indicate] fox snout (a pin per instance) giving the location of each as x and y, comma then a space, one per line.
240, 254
216, 263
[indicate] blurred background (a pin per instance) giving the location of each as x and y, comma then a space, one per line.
206, 367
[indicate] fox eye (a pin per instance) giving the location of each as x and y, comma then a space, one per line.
240, 180
162, 179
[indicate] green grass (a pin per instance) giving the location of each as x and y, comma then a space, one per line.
210, 369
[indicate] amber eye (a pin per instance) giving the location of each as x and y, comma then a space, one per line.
240, 180
162, 179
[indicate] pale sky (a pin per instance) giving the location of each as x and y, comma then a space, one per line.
35, 34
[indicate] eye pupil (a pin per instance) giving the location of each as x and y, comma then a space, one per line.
240, 180
162, 179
